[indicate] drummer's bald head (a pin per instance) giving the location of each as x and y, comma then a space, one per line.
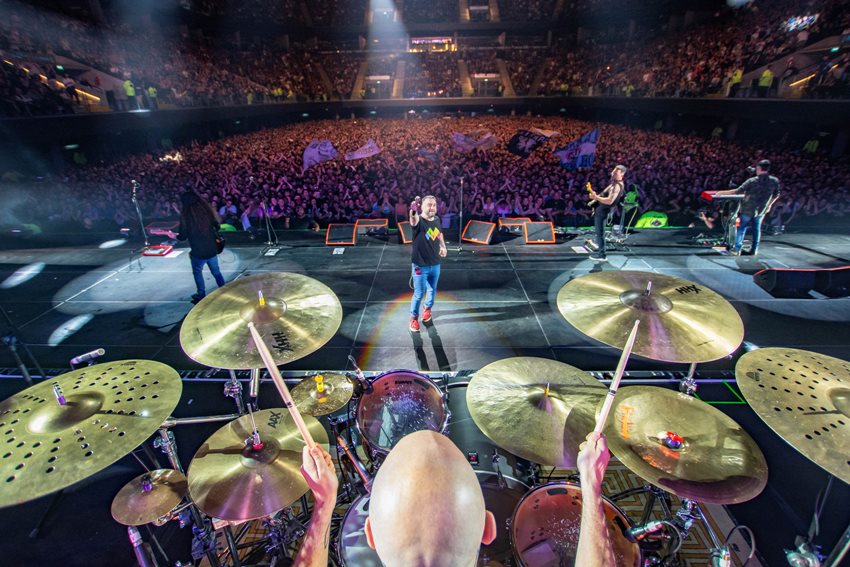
427, 508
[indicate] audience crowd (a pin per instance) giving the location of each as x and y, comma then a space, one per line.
240, 173
188, 69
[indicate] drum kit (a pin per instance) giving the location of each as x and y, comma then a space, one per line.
513, 417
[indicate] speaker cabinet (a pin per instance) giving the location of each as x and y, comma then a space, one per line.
786, 283
341, 235
405, 232
539, 232
479, 232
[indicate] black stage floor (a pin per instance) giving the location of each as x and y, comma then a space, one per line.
493, 302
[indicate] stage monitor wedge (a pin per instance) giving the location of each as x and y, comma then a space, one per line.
539, 232
341, 235
479, 232
405, 232
365, 225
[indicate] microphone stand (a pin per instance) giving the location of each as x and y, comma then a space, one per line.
135, 185
459, 221
267, 219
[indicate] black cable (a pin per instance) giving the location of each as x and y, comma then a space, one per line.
549, 478
752, 541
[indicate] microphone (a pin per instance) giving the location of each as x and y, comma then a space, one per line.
364, 384
638, 533
87, 357
140, 548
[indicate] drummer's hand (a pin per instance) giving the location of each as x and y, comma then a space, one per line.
320, 474
593, 457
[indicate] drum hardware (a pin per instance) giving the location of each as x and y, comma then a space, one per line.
254, 386
142, 549
365, 478
365, 385
688, 385
233, 389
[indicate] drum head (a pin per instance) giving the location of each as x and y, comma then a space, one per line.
351, 546
545, 528
400, 403
501, 501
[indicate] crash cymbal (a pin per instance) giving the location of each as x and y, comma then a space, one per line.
230, 480
336, 390
148, 497
680, 321
684, 446
110, 409
295, 315
805, 398
538, 409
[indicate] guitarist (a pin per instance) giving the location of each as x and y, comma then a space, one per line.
604, 201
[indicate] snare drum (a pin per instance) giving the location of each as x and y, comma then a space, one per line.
353, 550
545, 528
401, 402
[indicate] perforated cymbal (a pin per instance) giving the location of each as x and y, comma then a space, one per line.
296, 316
805, 398
111, 408
232, 481
708, 457
680, 321
149, 496
538, 409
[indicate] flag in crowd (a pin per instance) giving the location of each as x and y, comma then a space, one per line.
547, 133
525, 142
580, 153
475, 140
432, 155
317, 152
369, 149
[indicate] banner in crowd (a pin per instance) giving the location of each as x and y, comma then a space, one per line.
525, 142
475, 140
369, 149
431, 155
579, 154
547, 133
317, 152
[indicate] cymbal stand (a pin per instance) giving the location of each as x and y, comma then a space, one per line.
806, 553
688, 385
233, 389
204, 540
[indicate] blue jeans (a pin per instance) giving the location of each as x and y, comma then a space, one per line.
426, 278
198, 273
747, 221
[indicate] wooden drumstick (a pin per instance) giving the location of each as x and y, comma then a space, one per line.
615, 383
281, 386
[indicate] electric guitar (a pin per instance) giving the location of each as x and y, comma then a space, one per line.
592, 203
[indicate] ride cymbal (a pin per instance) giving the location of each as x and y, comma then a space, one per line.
684, 446
681, 321
538, 409
109, 409
805, 398
314, 399
231, 480
294, 314
149, 497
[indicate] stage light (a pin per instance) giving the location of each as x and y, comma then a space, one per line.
112, 243
22, 275
71, 146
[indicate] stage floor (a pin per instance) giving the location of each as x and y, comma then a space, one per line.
493, 302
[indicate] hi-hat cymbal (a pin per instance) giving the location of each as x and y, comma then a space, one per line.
110, 409
230, 480
538, 409
684, 446
336, 390
148, 497
805, 398
680, 321
294, 314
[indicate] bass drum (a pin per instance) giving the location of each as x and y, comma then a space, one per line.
545, 527
401, 402
474, 444
353, 550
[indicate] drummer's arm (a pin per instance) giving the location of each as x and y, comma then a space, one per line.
594, 541
320, 474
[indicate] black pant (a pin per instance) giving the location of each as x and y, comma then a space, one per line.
599, 219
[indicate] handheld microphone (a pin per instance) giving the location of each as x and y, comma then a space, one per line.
638, 533
87, 357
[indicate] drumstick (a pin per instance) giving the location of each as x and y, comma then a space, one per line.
615, 383
281, 386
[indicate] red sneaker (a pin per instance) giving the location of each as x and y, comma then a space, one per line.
426, 315
414, 325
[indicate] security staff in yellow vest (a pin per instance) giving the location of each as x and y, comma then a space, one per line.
152, 94
765, 82
130, 91
735, 81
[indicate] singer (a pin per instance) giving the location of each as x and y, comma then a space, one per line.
199, 224
429, 247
